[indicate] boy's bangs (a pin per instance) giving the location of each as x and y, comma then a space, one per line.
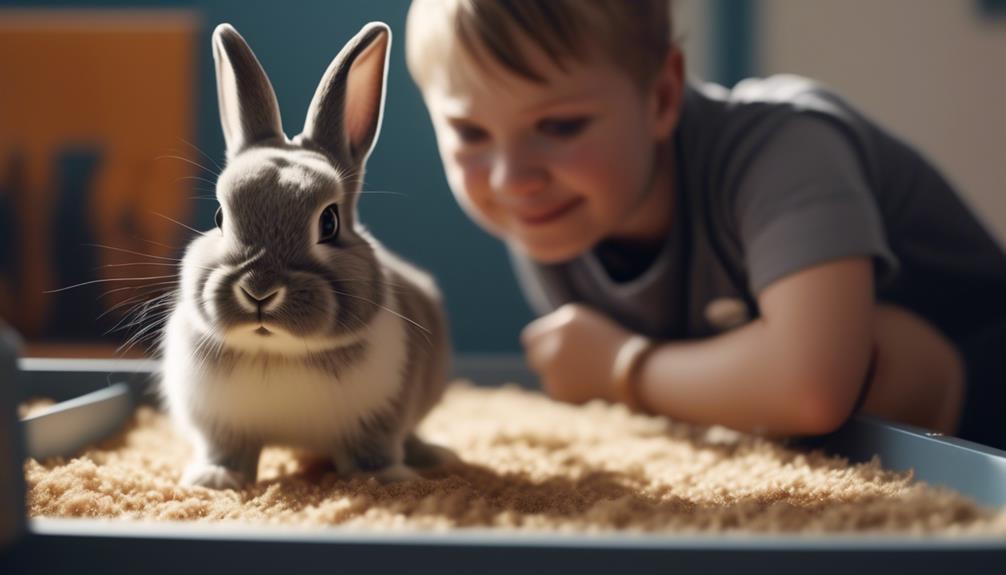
633, 34
429, 40
499, 29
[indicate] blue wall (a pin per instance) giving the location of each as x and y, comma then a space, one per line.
295, 41
732, 41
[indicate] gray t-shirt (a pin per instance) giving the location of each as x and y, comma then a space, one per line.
775, 176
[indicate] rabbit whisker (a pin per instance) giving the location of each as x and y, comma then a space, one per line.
196, 178
396, 286
134, 340
135, 300
82, 284
175, 265
140, 308
177, 222
361, 192
158, 244
149, 286
386, 308
157, 320
184, 159
142, 314
114, 249
137, 264
204, 154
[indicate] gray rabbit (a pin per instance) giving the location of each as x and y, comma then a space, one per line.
294, 326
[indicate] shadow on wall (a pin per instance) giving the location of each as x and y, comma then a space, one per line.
112, 137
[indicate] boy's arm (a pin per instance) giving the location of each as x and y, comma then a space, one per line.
800, 368
797, 369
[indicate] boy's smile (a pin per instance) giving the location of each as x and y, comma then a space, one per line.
541, 216
554, 167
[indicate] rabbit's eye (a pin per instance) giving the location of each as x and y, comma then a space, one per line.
328, 225
219, 218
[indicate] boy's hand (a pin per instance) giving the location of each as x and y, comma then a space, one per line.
573, 351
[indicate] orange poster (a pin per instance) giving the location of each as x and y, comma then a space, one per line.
97, 121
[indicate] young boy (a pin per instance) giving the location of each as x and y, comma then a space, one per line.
763, 258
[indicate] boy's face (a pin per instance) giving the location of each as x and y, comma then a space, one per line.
552, 167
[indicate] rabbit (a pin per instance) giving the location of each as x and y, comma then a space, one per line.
294, 326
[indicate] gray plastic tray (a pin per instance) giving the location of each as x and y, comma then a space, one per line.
129, 547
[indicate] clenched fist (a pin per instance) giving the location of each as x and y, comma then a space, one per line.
573, 352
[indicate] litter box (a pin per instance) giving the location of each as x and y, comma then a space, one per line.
65, 545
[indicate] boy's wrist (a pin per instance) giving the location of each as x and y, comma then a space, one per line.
629, 360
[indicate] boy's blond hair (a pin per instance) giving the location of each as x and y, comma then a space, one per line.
635, 35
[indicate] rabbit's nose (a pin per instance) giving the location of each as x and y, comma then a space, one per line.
254, 301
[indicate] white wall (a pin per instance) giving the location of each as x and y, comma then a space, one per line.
932, 71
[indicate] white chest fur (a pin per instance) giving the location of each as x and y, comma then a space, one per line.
289, 402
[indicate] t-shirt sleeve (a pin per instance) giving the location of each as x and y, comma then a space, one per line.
804, 200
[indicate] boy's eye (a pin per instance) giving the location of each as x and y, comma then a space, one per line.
470, 133
563, 127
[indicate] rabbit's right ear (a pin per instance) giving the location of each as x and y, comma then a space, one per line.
249, 112
344, 117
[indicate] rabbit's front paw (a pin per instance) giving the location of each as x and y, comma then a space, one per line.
423, 454
396, 473
204, 474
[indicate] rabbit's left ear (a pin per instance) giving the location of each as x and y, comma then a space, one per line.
249, 113
345, 114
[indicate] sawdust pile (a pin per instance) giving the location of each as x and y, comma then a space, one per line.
530, 463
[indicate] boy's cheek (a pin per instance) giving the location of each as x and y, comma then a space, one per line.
473, 197
589, 161
469, 178
466, 176
464, 180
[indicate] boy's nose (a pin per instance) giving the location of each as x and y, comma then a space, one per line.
516, 175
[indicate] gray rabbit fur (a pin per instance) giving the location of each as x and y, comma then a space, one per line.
294, 326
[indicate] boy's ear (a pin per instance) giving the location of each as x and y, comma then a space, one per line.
249, 112
667, 92
345, 114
